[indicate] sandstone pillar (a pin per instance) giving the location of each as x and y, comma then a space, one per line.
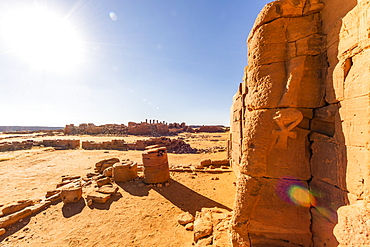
270, 123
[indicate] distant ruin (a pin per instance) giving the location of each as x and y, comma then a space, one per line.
148, 128
300, 127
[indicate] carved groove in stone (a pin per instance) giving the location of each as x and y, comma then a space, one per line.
286, 119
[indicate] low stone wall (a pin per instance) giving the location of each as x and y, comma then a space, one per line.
12, 146
61, 144
112, 145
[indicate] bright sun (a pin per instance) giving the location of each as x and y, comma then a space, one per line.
42, 39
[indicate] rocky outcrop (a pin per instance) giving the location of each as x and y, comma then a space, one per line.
299, 127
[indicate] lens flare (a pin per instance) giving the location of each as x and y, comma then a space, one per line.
295, 192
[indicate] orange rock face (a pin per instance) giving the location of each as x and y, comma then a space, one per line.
300, 125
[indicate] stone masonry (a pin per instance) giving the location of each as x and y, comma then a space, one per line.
299, 127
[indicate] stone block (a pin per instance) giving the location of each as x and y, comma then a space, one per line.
108, 172
108, 189
185, 218
15, 207
124, 172
274, 209
354, 113
354, 78
202, 225
327, 198
103, 181
328, 162
14, 217
304, 86
103, 164
98, 197
273, 147
205, 162
357, 172
322, 229
300, 28
353, 228
266, 84
276, 10
224, 162
71, 195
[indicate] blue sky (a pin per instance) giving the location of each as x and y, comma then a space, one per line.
171, 60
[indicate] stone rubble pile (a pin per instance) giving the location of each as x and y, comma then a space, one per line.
211, 226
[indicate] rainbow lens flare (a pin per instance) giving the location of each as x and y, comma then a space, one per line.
295, 192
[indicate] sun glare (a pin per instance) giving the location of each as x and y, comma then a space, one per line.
42, 39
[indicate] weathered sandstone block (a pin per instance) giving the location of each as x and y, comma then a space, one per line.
15, 217
185, 218
103, 164
103, 181
202, 225
108, 172
322, 227
71, 195
273, 146
353, 228
15, 207
108, 189
156, 169
205, 162
328, 161
98, 197
272, 211
124, 172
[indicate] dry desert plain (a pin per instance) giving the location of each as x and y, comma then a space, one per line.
139, 215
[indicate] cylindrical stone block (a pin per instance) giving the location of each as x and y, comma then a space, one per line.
124, 172
156, 168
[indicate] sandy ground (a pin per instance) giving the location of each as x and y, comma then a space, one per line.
139, 215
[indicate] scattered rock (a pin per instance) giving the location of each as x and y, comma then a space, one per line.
204, 242
103, 164
108, 171
205, 162
103, 181
12, 208
202, 225
98, 197
15, 217
51, 193
189, 226
108, 189
91, 174
66, 178
224, 162
185, 218
2, 231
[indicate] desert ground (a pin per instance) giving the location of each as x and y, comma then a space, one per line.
138, 215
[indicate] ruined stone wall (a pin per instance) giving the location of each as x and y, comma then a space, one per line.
211, 129
300, 125
61, 144
12, 146
108, 145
